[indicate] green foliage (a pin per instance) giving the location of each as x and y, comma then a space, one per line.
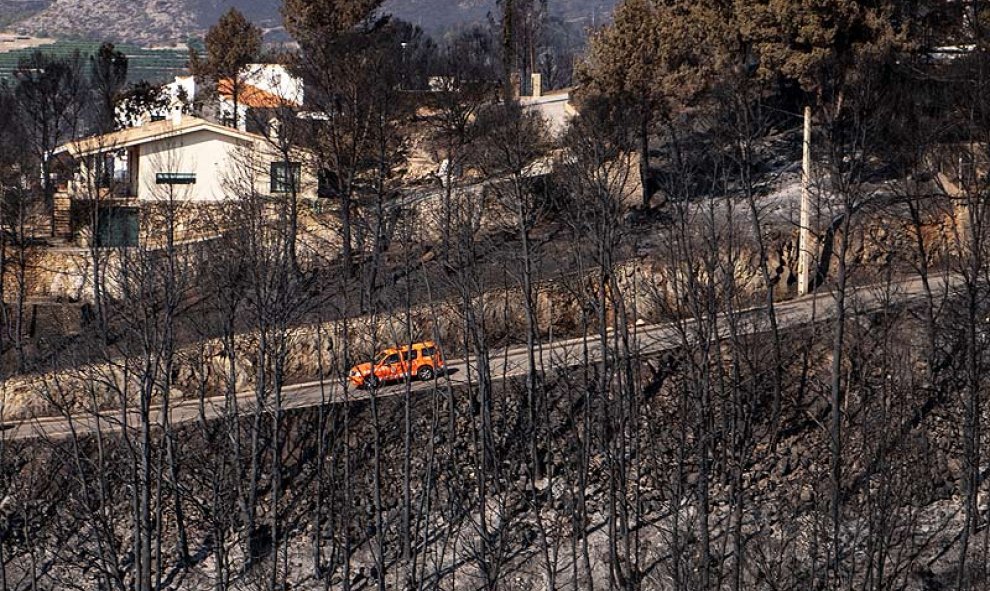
313, 23
817, 43
670, 51
142, 97
656, 54
231, 44
108, 75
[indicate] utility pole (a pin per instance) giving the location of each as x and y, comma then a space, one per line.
804, 236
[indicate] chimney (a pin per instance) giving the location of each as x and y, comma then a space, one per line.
176, 115
537, 82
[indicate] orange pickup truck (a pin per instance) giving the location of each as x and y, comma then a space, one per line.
422, 360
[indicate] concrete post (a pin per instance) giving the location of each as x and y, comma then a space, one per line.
804, 236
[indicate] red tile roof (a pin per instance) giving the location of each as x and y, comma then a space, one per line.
253, 97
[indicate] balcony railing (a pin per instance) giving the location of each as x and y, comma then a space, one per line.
115, 190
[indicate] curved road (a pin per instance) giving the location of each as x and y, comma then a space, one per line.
506, 363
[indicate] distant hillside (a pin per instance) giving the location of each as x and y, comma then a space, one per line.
166, 22
143, 22
436, 16
12, 11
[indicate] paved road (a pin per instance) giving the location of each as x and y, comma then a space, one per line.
506, 363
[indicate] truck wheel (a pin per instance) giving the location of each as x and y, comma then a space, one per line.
425, 373
372, 382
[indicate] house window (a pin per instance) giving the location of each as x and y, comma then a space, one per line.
327, 183
104, 169
175, 178
117, 227
285, 177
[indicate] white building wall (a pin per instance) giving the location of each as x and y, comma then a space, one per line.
276, 79
221, 164
554, 109
183, 87
208, 155
227, 112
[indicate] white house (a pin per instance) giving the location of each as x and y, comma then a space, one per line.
175, 98
182, 159
261, 86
